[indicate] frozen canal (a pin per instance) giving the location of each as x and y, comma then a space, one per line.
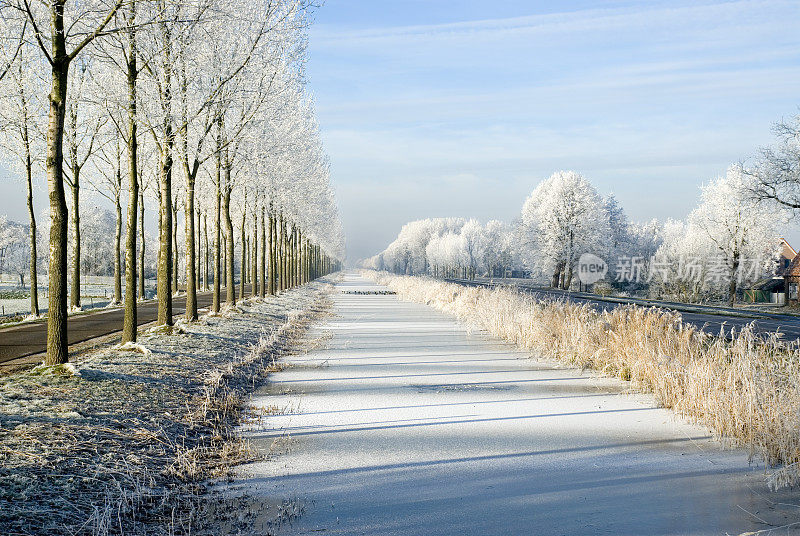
402, 422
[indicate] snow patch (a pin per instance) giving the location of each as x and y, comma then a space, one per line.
135, 347
65, 369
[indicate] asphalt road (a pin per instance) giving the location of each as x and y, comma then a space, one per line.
714, 320
30, 339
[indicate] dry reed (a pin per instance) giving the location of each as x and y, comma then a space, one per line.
744, 387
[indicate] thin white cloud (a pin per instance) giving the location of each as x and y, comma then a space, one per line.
745, 12
603, 88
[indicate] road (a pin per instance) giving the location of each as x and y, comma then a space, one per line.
404, 423
21, 342
712, 320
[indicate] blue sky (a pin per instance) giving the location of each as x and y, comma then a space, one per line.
459, 108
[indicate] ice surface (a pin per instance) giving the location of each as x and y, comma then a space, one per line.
405, 423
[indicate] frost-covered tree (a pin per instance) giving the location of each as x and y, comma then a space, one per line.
644, 241
735, 225
681, 264
448, 254
120, 56
83, 135
474, 242
62, 30
219, 87
619, 241
108, 183
98, 226
23, 114
409, 252
157, 111
13, 30
14, 247
451, 247
498, 253
563, 218
15, 251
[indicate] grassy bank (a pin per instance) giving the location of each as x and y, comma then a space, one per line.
128, 440
746, 389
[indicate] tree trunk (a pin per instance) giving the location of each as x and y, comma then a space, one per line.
142, 247
243, 269
281, 246
568, 278
262, 272
301, 259
271, 240
230, 288
135, 194
31, 220
117, 250
165, 252
217, 237
295, 257
191, 277
57, 295
75, 292
198, 248
289, 277
732, 285
130, 320
208, 249
286, 255
164, 279
304, 262
557, 276
298, 248
253, 251
292, 257
175, 246
255, 277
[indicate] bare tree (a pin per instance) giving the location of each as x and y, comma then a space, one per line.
776, 174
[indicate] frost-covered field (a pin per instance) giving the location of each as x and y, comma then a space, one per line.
125, 445
96, 291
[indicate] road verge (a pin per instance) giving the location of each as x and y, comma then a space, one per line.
129, 440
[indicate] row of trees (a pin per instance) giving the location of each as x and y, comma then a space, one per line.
729, 240
99, 255
201, 103
448, 247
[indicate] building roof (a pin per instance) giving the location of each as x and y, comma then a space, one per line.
787, 251
769, 284
793, 270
